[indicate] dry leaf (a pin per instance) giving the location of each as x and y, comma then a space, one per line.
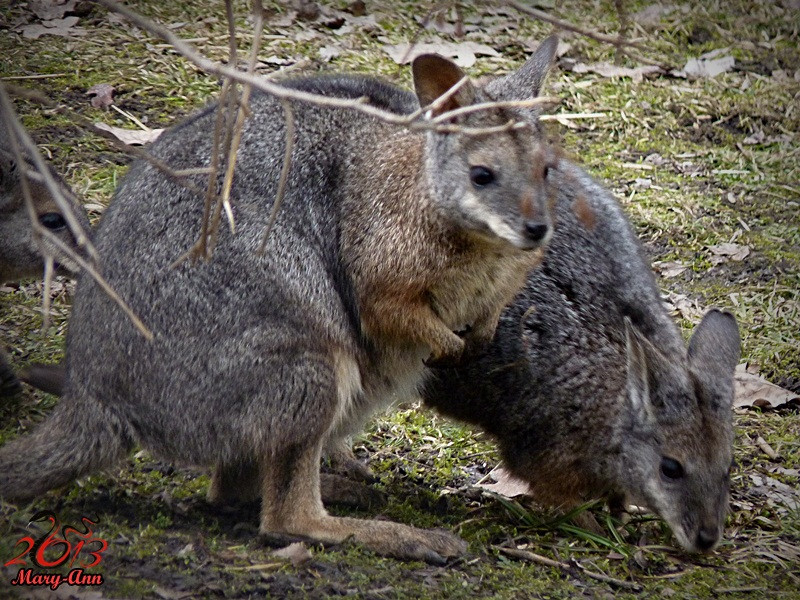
681, 304
728, 251
605, 69
102, 95
51, 9
753, 390
132, 137
506, 484
669, 269
296, 553
463, 53
326, 53
705, 67
61, 27
777, 491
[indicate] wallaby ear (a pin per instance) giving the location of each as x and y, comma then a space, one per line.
714, 351
433, 76
638, 379
526, 82
716, 343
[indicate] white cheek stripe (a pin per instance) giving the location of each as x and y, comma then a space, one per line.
495, 223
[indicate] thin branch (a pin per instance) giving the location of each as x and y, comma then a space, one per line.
285, 168
561, 24
565, 566
262, 84
179, 176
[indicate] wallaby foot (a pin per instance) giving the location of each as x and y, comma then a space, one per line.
292, 505
342, 461
48, 378
237, 482
340, 490
9, 384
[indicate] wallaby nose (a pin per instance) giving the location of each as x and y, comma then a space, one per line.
535, 231
706, 539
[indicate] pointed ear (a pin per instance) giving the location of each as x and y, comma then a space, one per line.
433, 76
715, 343
638, 380
714, 352
526, 82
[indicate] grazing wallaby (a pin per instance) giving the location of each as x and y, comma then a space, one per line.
20, 254
388, 240
587, 386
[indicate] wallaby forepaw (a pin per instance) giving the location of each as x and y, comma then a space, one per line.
340, 490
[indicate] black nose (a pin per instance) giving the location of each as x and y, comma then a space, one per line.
706, 539
535, 231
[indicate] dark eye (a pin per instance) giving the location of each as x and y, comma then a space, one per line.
52, 221
671, 468
546, 172
480, 176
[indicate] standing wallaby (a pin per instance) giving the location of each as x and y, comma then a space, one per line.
20, 254
388, 240
588, 388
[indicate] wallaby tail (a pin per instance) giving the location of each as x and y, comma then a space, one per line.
79, 437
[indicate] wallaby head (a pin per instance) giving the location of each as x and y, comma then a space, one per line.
491, 178
20, 253
677, 443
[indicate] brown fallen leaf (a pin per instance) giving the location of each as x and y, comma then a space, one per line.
463, 53
61, 27
651, 15
728, 251
753, 390
132, 137
296, 553
102, 95
686, 308
669, 269
506, 484
605, 69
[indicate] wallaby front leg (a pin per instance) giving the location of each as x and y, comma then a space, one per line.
414, 320
481, 333
9, 384
291, 504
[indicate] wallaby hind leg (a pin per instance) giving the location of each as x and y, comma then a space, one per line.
236, 482
292, 504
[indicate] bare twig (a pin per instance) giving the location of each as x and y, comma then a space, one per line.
561, 24
284, 178
260, 83
176, 175
567, 566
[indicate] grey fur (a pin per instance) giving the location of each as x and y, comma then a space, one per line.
381, 249
587, 384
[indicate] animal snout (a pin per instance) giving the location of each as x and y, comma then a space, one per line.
536, 230
706, 539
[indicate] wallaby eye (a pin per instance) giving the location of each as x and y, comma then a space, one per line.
481, 176
52, 221
671, 468
546, 172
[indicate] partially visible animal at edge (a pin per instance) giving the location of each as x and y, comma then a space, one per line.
20, 253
